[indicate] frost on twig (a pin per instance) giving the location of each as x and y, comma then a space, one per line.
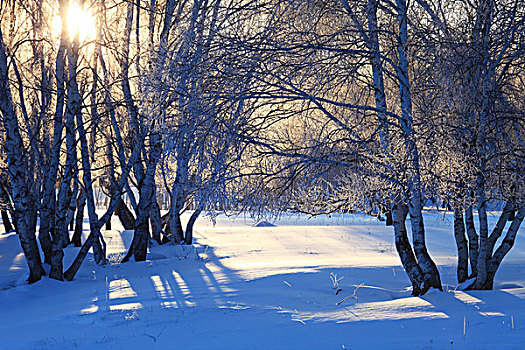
335, 282
353, 295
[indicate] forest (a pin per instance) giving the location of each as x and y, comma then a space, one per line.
265, 108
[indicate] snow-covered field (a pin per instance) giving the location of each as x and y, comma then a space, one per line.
246, 287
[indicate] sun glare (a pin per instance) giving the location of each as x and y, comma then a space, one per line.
79, 21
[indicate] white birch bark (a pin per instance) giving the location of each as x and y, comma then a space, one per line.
428, 267
17, 167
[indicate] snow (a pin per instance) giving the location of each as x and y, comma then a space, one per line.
247, 287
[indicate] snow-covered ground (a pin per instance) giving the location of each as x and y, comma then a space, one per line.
247, 287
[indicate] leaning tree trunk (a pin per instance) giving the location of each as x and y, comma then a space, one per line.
99, 247
404, 250
461, 244
188, 239
17, 168
69, 275
79, 220
7, 223
491, 263
166, 229
508, 211
504, 248
125, 215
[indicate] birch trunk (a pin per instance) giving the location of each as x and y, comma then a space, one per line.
79, 220
47, 214
497, 231
139, 245
177, 202
177, 195
126, 89
461, 244
73, 269
155, 219
484, 244
428, 267
504, 248
7, 223
404, 250
97, 240
473, 241
73, 109
17, 167
125, 215
188, 238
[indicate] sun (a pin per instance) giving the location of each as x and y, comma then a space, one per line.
79, 20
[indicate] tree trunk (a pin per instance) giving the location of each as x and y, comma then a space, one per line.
166, 229
175, 226
70, 218
188, 239
108, 224
461, 244
177, 198
97, 241
496, 233
504, 248
155, 219
125, 215
17, 168
79, 220
70, 273
93, 235
408, 259
473, 244
7, 223
427, 265
484, 244
139, 245
389, 218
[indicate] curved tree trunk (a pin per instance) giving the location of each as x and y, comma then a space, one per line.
497, 231
188, 239
504, 248
125, 215
175, 226
17, 166
408, 259
427, 265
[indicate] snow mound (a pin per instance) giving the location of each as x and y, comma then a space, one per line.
264, 224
